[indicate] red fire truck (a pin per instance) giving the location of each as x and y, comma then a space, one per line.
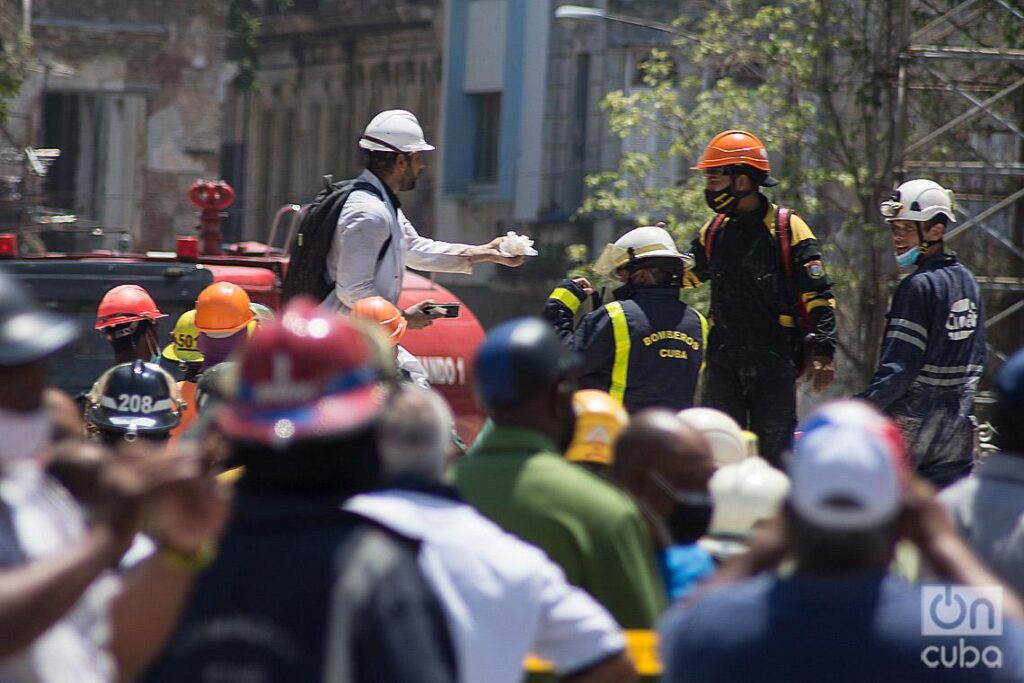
74, 281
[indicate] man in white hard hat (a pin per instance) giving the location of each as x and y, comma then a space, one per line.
375, 242
645, 348
933, 352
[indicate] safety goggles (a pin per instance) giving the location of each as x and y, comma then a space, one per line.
686, 497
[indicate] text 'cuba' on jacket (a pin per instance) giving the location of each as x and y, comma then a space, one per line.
646, 348
930, 364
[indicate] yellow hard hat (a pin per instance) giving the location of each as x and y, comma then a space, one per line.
184, 346
599, 419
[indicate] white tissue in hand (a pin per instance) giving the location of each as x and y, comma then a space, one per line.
516, 245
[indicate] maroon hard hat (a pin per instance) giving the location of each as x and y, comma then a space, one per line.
309, 373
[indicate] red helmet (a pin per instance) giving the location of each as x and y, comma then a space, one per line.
309, 373
125, 304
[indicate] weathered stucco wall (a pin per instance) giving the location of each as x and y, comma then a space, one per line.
153, 75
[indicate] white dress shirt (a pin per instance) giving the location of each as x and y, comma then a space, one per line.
503, 597
364, 225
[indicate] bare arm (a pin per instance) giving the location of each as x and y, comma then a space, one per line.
37, 595
927, 524
191, 516
146, 613
615, 669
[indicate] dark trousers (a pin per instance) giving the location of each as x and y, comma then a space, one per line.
938, 429
759, 393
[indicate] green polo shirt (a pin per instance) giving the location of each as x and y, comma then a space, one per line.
516, 477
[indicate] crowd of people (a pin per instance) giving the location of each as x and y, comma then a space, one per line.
299, 506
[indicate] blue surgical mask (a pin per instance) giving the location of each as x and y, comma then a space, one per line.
907, 259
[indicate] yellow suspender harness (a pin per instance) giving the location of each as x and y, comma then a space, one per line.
620, 368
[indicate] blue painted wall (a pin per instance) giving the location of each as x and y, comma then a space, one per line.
461, 112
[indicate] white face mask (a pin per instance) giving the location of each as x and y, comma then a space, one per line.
23, 435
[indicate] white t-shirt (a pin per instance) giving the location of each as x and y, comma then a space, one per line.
46, 521
504, 598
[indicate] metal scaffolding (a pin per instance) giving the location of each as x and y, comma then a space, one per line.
960, 119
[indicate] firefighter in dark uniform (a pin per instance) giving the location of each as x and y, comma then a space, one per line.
646, 348
770, 296
933, 352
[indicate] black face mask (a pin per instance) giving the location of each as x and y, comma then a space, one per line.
689, 521
721, 201
724, 201
691, 515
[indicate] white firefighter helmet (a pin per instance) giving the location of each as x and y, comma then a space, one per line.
919, 200
649, 241
723, 434
744, 494
394, 130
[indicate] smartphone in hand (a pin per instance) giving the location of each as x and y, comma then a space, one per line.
447, 310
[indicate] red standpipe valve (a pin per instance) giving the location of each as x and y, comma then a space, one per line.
212, 197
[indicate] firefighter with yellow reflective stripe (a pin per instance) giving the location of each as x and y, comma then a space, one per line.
770, 295
645, 348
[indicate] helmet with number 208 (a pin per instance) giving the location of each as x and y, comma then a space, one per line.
135, 397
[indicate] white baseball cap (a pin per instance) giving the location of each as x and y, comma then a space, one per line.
848, 470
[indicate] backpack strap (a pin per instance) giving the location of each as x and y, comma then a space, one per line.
350, 186
363, 185
709, 236
784, 234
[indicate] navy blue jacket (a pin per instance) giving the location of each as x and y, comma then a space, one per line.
303, 591
666, 344
931, 361
934, 336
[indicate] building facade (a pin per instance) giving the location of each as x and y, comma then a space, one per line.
325, 67
131, 94
523, 126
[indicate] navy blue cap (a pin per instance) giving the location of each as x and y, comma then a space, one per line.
29, 332
1009, 387
520, 359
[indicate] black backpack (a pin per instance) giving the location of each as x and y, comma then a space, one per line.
307, 267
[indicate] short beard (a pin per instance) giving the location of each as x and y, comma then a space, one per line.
408, 181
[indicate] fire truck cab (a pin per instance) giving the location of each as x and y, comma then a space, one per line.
74, 282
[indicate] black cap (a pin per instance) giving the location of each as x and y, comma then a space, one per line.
29, 332
519, 360
135, 397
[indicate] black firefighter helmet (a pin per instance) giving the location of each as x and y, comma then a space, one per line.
137, 397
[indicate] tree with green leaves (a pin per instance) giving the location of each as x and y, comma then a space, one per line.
814, 79
244, 28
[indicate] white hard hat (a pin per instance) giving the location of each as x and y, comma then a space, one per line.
723, 434
919, 200
744, 494
649, 241
394, 130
